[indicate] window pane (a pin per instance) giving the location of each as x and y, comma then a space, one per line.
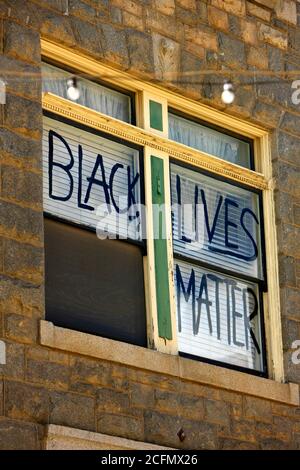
218, 317
93, 285
216, 222
209, 140
91, 180
92, 95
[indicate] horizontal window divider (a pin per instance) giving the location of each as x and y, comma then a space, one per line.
185, 369
128, 132
219, 269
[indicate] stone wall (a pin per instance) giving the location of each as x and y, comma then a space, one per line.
157, 40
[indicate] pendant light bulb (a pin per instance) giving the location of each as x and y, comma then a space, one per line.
228, 94
72, 89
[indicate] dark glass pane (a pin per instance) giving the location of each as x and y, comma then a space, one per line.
93, 285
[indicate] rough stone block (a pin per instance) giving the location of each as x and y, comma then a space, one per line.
114, 45
70, 409
291, 302
235, 444
287, 271
217, 411
258, 57
88, 37
288, 240
233, 51
162, 429
122, 426
258, 11
16, 35
47, 373
167, 7
23, 261
21, 297
13, 71
129, 5
188, 4
55, 26
141, 396
21, 186
289, 148
283, 206
202, 37
291, 123
244, 430
236, 7
21, 221
140, 49
217, 18
83, 10
257, 409
163, 24
25, 151
20, 328
22, 115
25, 402
272, 36
288, 176
15, 361
17, 435
88, 371
286, 11
132, 21
112, 401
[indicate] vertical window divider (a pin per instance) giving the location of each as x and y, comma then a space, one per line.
160, 294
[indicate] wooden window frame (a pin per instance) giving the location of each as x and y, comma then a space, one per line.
156, 143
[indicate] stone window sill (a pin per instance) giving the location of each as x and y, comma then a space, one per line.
176, 366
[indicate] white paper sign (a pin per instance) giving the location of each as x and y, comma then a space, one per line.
216, 222
218, 317
90, 180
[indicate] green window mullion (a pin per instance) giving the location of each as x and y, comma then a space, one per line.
160, 251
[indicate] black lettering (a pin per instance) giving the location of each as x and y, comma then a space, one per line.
210, 231
235, 315
65, 168
131, 185
217, 280
249, 211
228, 223
92, 180
206, 302
79, 202
248, 319
187, 293
114, 170
180, 222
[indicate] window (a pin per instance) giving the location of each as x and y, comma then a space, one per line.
209, 140
91, 94
188, 279
93, 183
218, 268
